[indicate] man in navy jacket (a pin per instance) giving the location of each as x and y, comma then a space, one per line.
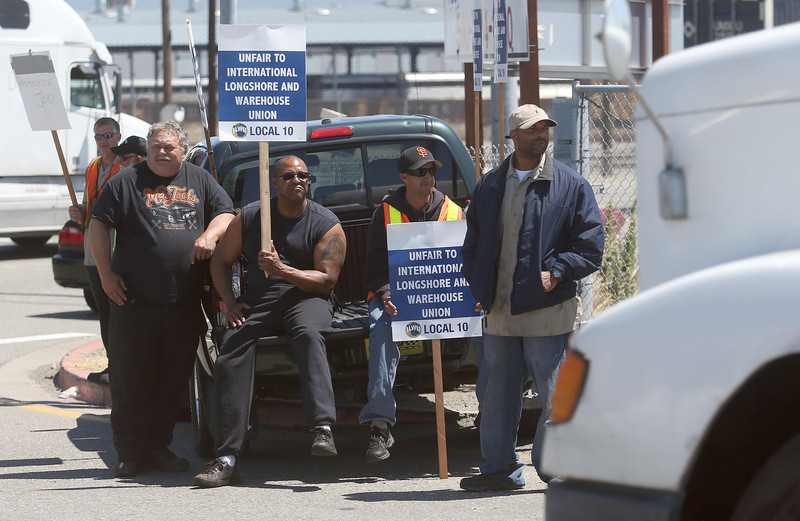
533, 230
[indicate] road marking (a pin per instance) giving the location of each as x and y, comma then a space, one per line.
54, 336
52, 410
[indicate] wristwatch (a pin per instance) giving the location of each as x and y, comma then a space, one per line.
557, 274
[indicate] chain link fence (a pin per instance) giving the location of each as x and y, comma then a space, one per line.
606, 158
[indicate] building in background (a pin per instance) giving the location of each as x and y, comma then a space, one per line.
709, 20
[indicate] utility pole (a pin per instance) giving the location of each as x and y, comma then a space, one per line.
660, 28
469, 110
166, 51
212, 113
529, 70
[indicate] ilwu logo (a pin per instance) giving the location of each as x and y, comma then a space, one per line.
413, 329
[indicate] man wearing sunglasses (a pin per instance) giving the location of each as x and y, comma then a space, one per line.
294, 299
131, 151
417, 200
99, 171
533, 230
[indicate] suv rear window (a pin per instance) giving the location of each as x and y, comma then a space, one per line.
356, 174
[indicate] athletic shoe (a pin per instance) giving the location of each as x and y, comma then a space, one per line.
485, 483
379, 442
217, 474
323, 443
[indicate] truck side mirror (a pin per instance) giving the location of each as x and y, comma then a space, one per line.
616, 40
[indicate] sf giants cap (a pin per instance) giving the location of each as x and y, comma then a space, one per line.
414, 157
133, 145
527, 116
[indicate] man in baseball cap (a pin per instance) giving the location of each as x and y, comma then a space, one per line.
533, 231
131, 151
526, 116
415, 157
417, 200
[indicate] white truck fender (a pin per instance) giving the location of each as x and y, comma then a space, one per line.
662, 363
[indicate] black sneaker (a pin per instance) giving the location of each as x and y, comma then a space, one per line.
163, 460
323, 443
380, 441
217, 474
485, 483
128, 469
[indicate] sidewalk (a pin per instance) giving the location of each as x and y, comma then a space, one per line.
461, 406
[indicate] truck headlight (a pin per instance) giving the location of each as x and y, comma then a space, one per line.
569, 385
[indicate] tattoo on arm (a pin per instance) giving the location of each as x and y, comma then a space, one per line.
334, 251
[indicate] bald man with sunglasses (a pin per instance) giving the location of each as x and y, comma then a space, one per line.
303, 265
417, 200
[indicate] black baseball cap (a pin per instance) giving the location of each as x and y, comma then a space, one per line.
133, 145
414, 157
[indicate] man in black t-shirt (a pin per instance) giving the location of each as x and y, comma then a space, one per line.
168, 215
302, 267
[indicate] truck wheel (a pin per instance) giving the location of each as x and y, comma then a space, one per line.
774, 492
199, 389
89, 298
31, 242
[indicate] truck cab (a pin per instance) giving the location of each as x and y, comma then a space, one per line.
33, 194
681, 403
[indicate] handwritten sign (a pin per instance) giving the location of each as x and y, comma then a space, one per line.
262, 83
432, 298
41, 96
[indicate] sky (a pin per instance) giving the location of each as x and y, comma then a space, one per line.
150, 4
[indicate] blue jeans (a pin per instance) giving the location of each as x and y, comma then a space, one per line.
508, 361
383, 359
483, 374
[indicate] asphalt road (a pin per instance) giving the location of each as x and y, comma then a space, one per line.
56, 454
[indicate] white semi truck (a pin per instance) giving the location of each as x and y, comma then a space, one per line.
683, 402
33, 193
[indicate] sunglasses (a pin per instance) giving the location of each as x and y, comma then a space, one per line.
288, 176
107, 135
422, 172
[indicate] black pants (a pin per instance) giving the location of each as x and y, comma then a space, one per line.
301, 317
101, 300
150, 359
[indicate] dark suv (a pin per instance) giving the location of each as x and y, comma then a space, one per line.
353, 162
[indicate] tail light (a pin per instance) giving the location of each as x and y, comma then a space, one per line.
70, 235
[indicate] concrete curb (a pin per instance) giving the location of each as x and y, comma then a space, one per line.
273, 413
71, 375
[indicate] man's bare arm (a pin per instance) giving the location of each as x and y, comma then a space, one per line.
228, 251
113, 284
329, 255
205, 244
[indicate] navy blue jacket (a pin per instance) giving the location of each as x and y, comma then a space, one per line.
561, 227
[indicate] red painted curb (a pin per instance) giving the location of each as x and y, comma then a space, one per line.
69, 375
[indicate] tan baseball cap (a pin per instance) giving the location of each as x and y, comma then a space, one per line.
527, 116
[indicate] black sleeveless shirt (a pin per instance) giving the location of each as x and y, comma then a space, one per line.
294, 240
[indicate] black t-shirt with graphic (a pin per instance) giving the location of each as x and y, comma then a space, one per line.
157, 220
294, 240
